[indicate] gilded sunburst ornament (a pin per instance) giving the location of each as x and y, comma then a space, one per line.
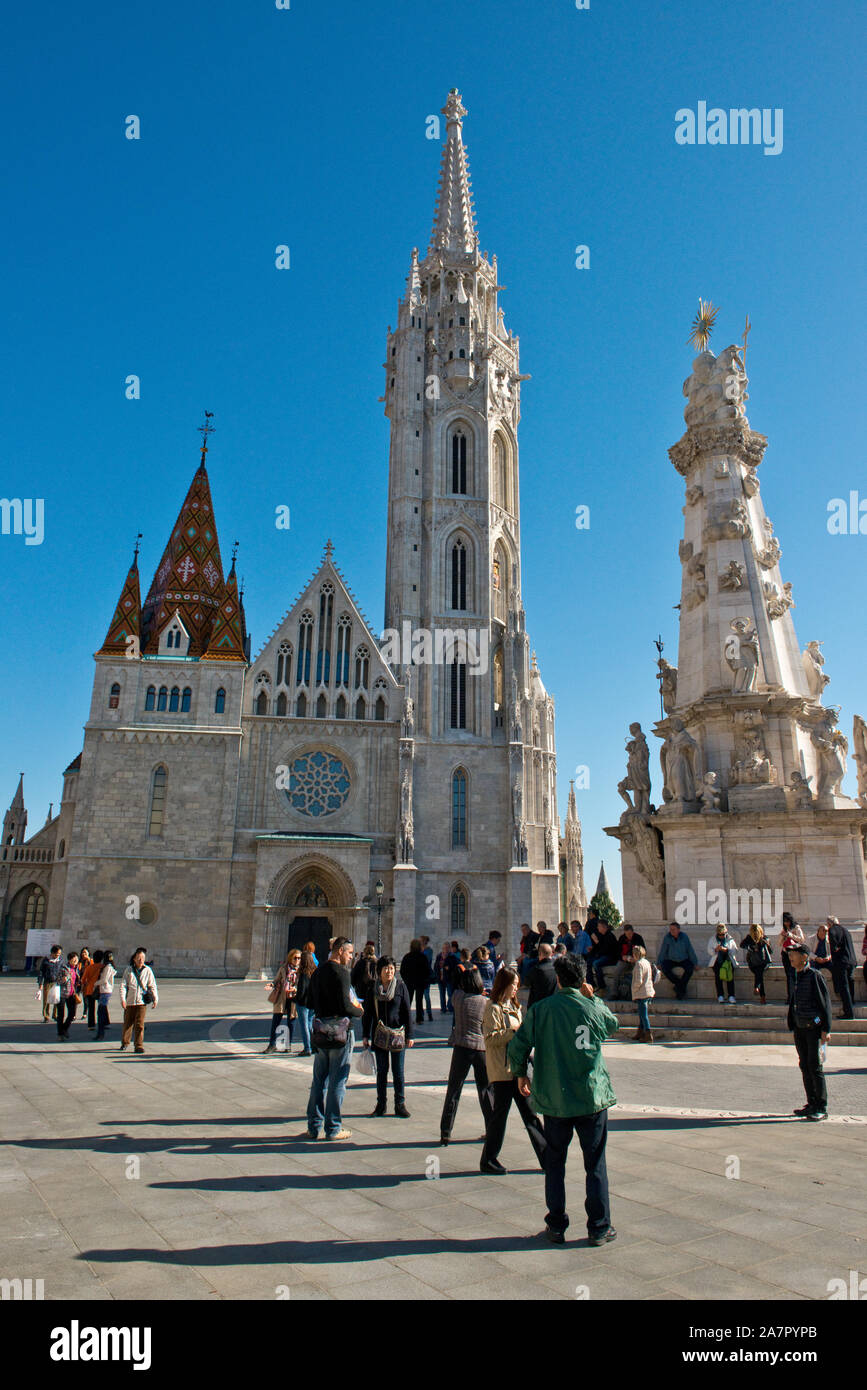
702, 325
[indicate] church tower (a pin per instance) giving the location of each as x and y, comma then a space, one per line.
15, 819
478, 767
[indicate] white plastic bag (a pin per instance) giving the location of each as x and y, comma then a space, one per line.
365, 1062
54, 994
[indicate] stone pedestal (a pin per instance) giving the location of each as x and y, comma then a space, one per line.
404, 923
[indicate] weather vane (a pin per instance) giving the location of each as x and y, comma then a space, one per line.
204, 430
702, 325
137, 547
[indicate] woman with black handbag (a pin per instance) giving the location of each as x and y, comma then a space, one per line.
758, 949
387, 1028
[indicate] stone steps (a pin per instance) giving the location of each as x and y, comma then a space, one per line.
727, 1024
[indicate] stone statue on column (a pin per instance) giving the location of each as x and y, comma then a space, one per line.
680, 757
859, 741
637, 779
742, 655
831, 749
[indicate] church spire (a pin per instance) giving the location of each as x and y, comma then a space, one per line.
15, 820
126, 622
189, 577
454, 226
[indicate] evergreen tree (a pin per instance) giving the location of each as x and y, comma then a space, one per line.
606, 910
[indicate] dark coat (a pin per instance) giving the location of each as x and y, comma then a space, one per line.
543, 982
842, 949
811, 994
394, 1013
363, 976
304, 991
415, 971
606, 948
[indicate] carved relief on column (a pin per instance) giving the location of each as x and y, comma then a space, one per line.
405, 828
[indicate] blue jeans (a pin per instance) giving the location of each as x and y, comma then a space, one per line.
443, 1000
643, 1015
331, 1071
102, 1018
305, 1021
592, 1131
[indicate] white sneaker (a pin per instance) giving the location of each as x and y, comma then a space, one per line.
731, 1001
720, 999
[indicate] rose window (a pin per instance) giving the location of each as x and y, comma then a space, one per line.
319, 784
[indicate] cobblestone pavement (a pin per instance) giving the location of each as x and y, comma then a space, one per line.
180, 1174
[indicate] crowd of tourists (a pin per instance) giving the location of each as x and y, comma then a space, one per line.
547, 1060
85, 982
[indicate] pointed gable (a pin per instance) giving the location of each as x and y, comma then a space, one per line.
286, 634
189, 577
126, 622
228, 635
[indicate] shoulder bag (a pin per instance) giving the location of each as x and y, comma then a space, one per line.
388, 1039
147, 995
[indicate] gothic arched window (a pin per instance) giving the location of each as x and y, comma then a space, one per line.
186, 699
459, 575
220, 701
301, 706
174, 700
162, 698
501, 473
340, 707
261, 703
321, 707
459, 461
151, 697
323, 650
361, 708
114, 696
157, 810
305, 646
458, 695
344, 637
459, 809
458, 914
362, 668
281, 702
379, 710
34, 910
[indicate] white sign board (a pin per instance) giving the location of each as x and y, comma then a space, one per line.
39, 943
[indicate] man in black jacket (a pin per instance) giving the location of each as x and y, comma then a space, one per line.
809, 1018
332, 1006
543, 981
842, 964
605, 954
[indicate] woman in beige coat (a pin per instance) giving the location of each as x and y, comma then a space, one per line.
500, 1023
282, 1000
642, 992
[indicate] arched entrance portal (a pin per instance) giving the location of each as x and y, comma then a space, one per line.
308, 901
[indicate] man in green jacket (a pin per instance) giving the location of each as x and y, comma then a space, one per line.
571, 1089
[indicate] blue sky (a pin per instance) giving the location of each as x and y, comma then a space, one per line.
307, 127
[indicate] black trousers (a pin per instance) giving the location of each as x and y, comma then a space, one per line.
276, 1020
719, 982
592, 1131
807, 1042
462, 1059
418, 995
65, 1014
91, 1001
758, 968
842, 978
502, 1094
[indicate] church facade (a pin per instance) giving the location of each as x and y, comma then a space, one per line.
225, 807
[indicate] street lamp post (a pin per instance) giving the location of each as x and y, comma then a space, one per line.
379, 904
